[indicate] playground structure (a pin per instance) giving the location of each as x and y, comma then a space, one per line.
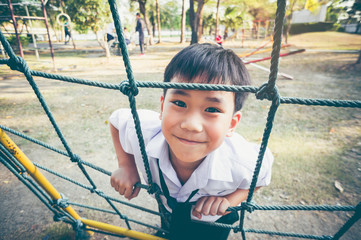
14, 18
261, 49
12, 157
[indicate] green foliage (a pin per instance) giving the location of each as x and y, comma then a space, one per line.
14, 42
34, 8
88, 14
170, 15
311, 27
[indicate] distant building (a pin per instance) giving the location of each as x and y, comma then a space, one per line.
306, 16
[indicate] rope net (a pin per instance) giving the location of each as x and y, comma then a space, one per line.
61, 206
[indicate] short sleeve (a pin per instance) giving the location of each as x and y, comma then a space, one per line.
122, 120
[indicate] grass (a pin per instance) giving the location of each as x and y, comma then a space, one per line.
311, 145
327, 40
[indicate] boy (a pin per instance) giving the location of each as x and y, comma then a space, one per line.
194, 154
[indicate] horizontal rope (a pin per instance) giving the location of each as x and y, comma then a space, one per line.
331, 208
206, 87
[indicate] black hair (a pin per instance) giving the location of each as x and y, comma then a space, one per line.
138, 14
211, 64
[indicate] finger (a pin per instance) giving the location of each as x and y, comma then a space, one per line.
199, 204
222, 208
196, 214
134, 193
207, 206
214, 207
128, 191
121, 191
112, 182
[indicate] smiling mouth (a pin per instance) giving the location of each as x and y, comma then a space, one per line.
189, 142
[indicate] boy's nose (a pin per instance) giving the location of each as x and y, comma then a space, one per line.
192, 123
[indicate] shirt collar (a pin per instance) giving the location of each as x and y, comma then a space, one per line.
216, 166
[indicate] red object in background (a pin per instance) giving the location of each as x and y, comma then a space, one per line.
219, 40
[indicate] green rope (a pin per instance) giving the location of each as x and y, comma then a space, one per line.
129, 88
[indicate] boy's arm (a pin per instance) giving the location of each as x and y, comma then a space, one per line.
217, 205
126, 176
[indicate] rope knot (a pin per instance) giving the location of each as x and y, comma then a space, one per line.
62, 202
97, 191
75, 158
58, 218
77, 225
265, 92
237, 229
249, 206
18, 64
126, 89
154, 188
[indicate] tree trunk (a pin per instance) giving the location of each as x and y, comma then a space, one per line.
158, 19
290, 21
217, 21
192, 21
103, 44
199, 17
196, 20
183, 23
146, 20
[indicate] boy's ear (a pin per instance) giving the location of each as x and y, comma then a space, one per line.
161, 107
234, 122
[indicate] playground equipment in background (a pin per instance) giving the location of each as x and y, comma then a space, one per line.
63, 24
12, 157
260, 49
13, 17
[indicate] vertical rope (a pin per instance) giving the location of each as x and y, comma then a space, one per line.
276, 49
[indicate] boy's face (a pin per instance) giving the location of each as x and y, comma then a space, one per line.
195, 123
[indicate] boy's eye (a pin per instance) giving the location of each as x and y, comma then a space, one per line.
180, 104
212, 110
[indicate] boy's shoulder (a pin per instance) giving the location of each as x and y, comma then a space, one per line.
149, 119
241, 152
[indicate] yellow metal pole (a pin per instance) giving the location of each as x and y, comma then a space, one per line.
33, 171
119, 230
55, 195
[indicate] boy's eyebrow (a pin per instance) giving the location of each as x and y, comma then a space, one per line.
214, 99
184, 93
180, 92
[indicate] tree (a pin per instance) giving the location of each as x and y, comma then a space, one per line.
143, 11
90, 15
183, 23
290, 8
196, 19
158, 19
356, 10
217, 20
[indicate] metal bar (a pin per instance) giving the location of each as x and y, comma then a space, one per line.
16, 28
32, 34
119, 230
47, 29
29, 17
33, 171
281, 55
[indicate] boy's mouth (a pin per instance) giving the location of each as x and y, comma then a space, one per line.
189, 141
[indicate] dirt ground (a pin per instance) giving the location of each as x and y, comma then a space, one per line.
82, 114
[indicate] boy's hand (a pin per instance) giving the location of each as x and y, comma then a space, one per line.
211, 205
123, 180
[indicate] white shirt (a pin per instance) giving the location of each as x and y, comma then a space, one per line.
226, 169
111, 29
